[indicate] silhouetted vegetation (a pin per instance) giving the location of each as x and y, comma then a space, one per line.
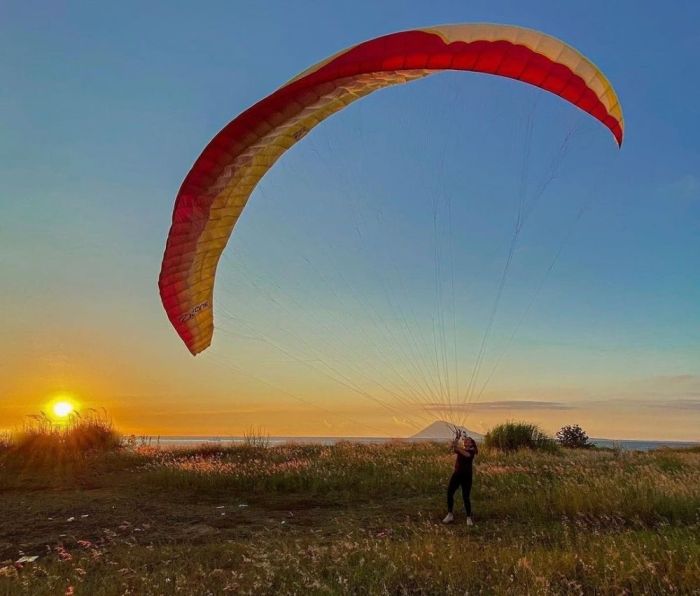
512, 436
43, 438
573, 437
5, 441
256, 437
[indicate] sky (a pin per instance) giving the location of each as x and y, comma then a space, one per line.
355, 295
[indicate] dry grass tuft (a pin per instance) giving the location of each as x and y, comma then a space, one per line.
82, 433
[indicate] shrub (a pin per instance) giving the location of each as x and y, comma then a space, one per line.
573, 436
512, 436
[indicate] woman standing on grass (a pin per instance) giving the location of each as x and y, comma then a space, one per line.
466, 450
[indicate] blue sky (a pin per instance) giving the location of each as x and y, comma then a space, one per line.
105, 107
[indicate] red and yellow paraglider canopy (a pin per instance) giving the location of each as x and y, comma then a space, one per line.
218, 186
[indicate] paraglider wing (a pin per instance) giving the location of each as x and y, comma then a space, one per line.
216, 190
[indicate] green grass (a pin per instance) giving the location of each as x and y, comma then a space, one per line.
512, 436
350, 519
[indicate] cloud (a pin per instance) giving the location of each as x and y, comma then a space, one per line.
687, 401
677, 404
503, 405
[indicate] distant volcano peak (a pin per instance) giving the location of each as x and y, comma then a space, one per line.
444, 430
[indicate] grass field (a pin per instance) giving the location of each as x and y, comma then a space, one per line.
347, 519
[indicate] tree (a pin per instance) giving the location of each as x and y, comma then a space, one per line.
573, 436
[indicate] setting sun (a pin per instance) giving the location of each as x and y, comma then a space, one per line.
62, 409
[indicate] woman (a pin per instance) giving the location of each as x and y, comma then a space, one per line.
465, 449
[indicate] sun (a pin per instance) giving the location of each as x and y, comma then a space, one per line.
63, 409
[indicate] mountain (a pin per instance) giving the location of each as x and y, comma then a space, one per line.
442, 430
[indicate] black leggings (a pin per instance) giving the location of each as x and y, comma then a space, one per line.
463, 479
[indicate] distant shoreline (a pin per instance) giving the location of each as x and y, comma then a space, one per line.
184, 440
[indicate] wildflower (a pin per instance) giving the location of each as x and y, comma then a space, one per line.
62, 553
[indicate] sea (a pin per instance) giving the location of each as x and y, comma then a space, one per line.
191, 441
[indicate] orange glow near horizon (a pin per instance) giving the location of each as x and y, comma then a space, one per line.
195, 398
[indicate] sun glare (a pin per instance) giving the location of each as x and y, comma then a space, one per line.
62, 409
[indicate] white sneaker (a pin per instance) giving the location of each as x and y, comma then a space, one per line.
449, 518
470, 522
